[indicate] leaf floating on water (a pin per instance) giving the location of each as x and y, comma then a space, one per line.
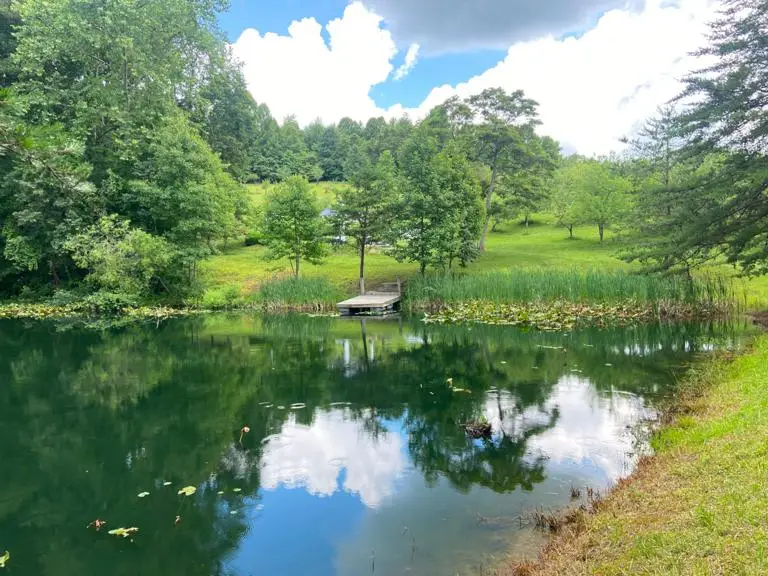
237, 489
449, 381
4, 559
167, 483
97, 524
607, 364
124, 532
187, 491
143, 494
233, 512
281, 407
503, 361
298, 406
462, 390
176, 522
220, 492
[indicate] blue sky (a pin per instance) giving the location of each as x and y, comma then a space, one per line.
410, 91
598, 68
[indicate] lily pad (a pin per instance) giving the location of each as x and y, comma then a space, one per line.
143, 494
187, 491
4, 559
124, 532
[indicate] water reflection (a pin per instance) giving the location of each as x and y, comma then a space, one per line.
356, 456
314, 457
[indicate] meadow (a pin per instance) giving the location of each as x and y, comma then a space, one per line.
541, 246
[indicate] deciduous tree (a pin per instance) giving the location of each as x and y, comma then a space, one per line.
293, 226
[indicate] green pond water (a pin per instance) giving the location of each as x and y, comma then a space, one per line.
355, 461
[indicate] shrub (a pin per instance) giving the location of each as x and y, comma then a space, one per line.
222, 297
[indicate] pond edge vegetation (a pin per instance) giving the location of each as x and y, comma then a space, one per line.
693, 506
533, 298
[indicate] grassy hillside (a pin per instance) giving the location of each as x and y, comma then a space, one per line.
541, 245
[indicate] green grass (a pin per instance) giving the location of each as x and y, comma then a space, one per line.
700, 506
541, 245
325, 192
542, 285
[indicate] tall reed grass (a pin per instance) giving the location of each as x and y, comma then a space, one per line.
576, 286
298, 294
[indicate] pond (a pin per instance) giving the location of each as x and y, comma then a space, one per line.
354, 460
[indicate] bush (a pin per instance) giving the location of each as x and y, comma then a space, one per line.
103, 302
254, 239
222, 297
64, 298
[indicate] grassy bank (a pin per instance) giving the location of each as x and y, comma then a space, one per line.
700, 506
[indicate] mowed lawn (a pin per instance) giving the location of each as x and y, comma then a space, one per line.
540, 245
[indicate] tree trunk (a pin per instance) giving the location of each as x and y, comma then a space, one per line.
423, 268
570, 230
362, 269
488, 198
601, 230
298, 262
526, 220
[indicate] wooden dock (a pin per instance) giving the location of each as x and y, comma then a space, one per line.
374, 303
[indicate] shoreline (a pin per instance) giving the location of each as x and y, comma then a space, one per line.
542, 316
698, 505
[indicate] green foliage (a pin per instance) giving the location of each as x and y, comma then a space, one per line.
221, 297
564, 199
364, 210
715, 186
293, 227
97, 123
602, 193
119, 258
463, 221
502, 141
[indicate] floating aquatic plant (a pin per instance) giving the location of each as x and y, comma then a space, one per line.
143, 494
187, 491
124, 532
4, 559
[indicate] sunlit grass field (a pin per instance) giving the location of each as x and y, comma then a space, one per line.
541, 245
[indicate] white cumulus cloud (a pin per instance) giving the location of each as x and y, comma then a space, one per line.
410, 61
303, 75
593, 89
597, 88
311, 457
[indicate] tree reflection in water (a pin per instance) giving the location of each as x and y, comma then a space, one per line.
90, 419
